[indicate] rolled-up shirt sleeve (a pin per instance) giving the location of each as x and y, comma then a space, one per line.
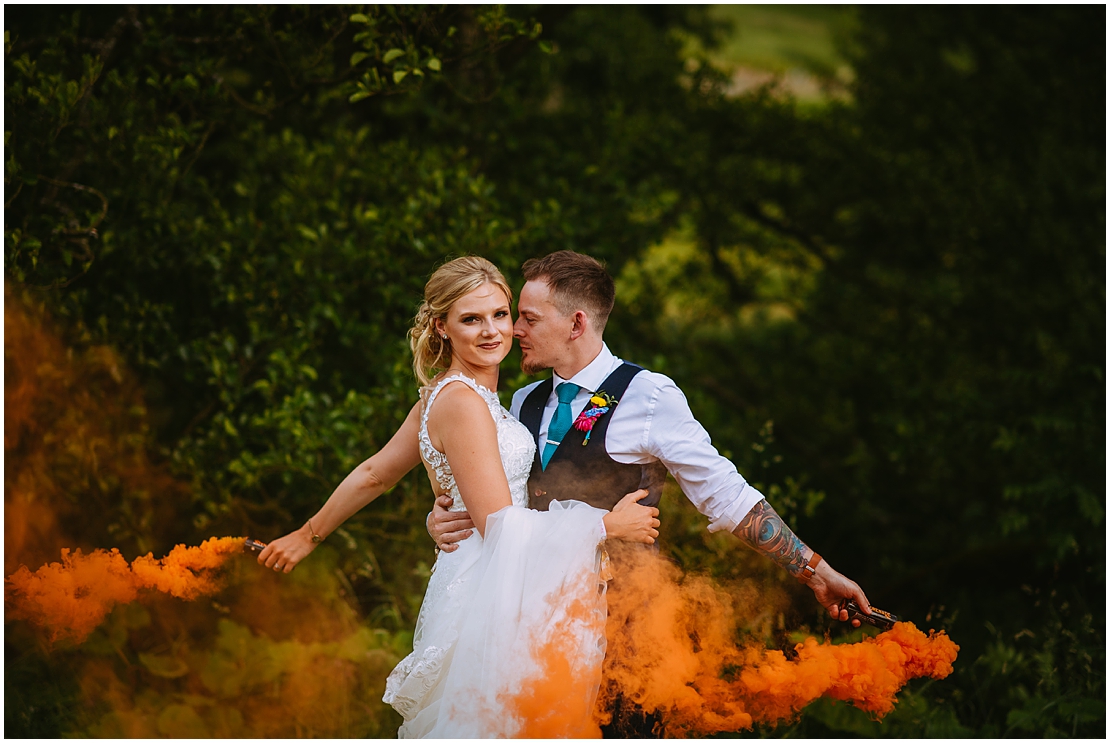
710, 481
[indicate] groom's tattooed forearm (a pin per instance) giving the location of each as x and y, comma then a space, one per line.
766, 532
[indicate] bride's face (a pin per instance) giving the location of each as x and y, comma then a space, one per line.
479, 327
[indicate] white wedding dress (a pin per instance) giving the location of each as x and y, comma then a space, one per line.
510, 637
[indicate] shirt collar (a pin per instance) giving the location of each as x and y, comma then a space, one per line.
594, 373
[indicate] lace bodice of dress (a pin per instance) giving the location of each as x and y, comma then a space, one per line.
513, 440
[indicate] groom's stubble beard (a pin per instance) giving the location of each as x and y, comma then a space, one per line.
532, 368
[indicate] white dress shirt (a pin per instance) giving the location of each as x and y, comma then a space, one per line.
652, 422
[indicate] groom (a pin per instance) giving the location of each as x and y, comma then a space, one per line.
646, 431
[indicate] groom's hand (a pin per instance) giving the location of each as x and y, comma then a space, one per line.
448, 528
831, 588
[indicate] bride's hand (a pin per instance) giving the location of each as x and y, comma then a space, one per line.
632, 522
283, 554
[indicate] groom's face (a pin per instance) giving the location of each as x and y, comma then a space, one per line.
542, 330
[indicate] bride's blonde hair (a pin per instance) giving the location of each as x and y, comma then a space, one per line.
451, 281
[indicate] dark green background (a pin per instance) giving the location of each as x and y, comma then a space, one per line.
885, 300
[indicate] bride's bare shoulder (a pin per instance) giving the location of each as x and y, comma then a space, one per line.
433, 384
457, 391
459, 411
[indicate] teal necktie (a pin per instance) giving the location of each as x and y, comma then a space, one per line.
560, 422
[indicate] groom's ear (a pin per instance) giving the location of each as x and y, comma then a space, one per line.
580, 326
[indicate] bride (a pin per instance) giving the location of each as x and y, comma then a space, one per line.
510, 637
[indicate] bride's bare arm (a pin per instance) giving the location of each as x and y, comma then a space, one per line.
461, 427
366, 482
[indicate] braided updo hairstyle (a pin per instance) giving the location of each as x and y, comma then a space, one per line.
451, 281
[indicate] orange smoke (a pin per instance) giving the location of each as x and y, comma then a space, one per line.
76, 441
868, 674
673, 649
71, 598
558, 701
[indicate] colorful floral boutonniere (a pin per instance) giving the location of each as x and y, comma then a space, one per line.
600, 404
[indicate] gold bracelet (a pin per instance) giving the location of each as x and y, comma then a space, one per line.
316, 538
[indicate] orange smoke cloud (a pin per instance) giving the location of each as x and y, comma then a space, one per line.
673, 649
868, 674
76, 441
557, 702
72, 597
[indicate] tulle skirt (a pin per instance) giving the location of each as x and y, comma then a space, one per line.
511, 634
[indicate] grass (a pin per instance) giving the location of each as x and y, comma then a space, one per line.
777, 38
797, 44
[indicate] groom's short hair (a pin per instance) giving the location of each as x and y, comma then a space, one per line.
577, 282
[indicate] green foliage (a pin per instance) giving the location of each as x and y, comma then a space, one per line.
401, 45
887, 308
